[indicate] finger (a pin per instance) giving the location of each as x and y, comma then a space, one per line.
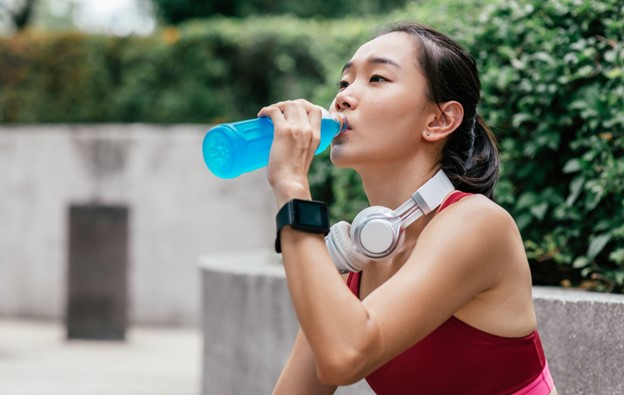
314, 115
306, 104
280, 105
295, 113
283, 104
274, 113
305, 130
310, 116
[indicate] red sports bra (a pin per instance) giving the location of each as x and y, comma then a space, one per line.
457, 358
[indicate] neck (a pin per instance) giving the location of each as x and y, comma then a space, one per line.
391, 186
393, 191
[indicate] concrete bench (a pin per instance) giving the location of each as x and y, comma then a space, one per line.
249, 326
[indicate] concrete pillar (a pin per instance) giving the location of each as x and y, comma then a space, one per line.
97, 272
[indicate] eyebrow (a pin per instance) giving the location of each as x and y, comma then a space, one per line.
374, 60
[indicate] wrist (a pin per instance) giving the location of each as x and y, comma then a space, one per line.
303, 215
287, 191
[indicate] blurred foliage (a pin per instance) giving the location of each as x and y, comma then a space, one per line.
202, 72
553, 89
178, 11
553, 82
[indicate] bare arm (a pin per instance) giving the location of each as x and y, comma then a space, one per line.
299, 375
351, 338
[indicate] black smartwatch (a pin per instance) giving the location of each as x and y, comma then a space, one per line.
309, 216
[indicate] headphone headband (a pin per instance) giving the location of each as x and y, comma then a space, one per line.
378, 232
426, 199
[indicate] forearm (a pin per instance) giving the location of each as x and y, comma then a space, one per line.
299, 375
342, 333
338, 328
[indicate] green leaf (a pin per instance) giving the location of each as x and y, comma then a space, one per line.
572, 166
580, 262
587, 271
619, 277
617, 256
575, 190
597, 244
539, 210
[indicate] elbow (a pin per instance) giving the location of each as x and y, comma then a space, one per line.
348, 361
342, 367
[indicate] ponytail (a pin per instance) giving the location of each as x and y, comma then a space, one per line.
470, 158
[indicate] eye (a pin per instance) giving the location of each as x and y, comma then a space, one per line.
377, 78
342, 84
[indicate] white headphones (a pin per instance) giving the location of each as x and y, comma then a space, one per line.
377, 232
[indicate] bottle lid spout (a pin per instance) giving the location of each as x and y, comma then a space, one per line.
336, 116
342, 120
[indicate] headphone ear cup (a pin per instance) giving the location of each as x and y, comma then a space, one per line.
375, 232
342, 250
367, 213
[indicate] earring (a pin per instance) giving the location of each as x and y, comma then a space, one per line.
428, 134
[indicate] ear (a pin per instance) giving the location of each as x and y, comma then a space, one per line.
447, 117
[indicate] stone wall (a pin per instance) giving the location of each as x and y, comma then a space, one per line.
583, 336
177, 211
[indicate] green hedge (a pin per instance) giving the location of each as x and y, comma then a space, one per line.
553, 75
177, 11
203, 72
553, 88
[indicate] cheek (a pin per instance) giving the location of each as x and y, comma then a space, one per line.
398, 120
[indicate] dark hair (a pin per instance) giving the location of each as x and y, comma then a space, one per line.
470, 155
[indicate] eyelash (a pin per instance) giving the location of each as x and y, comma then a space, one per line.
343, 84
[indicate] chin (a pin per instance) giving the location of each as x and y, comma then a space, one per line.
341, 158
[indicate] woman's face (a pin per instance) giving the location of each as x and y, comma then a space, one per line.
383, 94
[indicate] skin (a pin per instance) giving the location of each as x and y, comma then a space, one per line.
394, 143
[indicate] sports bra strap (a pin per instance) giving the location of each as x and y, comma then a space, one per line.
453, 198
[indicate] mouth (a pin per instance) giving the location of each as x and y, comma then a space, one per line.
342, 136
347, 130
348, 126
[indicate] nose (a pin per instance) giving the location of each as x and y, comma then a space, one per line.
345, 100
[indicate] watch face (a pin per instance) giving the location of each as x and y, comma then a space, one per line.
311, 214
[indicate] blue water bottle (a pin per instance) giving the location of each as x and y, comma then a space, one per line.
231, 149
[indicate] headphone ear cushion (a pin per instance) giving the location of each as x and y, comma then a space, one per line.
374, 229
342, 250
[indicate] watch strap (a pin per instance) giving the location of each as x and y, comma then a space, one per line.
288, 216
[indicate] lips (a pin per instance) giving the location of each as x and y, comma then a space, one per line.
349, 125
346, 131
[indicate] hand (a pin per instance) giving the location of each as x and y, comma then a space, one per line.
297, 136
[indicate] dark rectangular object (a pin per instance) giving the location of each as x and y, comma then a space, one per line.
98, 272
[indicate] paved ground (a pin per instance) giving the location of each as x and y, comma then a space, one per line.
36, 359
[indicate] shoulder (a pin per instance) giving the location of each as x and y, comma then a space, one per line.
472, 232
475, 212
465, 250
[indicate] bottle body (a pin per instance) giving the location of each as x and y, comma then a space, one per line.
232, 149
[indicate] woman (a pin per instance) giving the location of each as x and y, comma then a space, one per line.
450, 312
